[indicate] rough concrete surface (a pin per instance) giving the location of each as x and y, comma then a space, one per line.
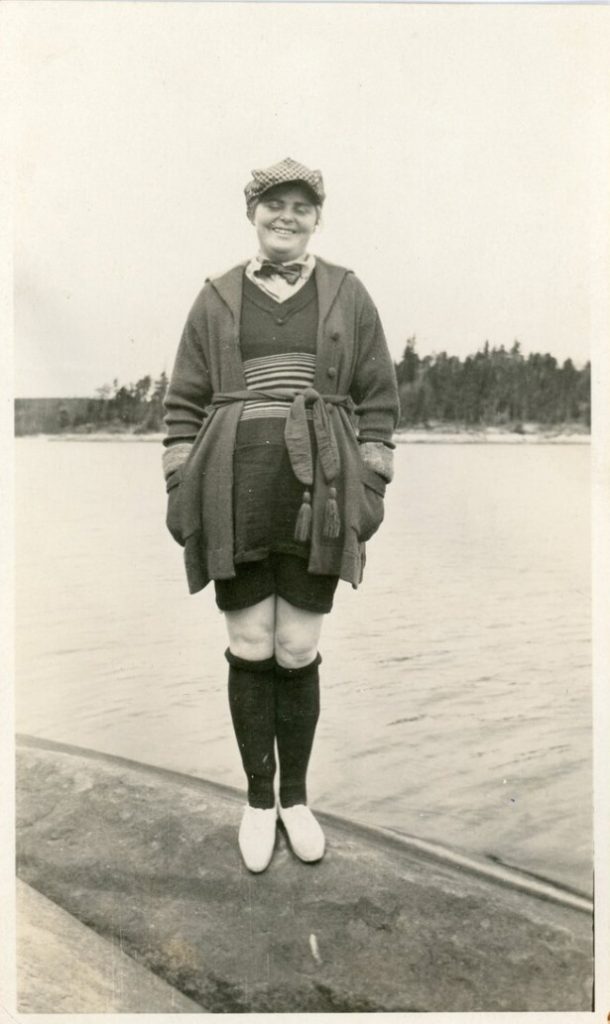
64, 967
378, 925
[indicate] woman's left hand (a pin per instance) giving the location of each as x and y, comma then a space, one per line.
173, 519
372, 508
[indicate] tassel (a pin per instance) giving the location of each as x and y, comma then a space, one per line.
302, 530
332, 520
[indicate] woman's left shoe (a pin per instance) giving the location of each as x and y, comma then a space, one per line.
305, 835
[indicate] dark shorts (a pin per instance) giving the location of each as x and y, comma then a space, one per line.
284, 575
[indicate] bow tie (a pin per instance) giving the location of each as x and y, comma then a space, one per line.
291, 272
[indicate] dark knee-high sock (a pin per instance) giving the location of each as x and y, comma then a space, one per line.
252, 704
297, 707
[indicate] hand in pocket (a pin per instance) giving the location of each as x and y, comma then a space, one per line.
173, 517
371, 503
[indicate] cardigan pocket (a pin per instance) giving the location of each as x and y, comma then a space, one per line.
173, 517
372, 509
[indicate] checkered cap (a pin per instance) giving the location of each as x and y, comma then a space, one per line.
280, 174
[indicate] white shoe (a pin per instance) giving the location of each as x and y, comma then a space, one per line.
257, 837
305, 835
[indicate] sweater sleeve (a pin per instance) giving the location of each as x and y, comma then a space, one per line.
374, 387
187, 396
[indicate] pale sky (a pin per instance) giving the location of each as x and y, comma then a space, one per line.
456, 144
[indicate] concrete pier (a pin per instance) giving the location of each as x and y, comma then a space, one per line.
149, 858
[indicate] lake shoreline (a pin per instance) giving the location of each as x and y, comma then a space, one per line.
437, 434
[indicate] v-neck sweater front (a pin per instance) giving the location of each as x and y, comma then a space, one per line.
278, 349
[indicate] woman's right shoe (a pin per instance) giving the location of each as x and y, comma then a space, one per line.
257, 837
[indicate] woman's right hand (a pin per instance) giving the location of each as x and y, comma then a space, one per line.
173, 517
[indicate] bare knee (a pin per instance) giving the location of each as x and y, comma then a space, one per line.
297, 634
294, 648
289, 653
251, 631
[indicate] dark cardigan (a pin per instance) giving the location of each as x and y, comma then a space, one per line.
352, 359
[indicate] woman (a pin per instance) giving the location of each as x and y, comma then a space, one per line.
279, 415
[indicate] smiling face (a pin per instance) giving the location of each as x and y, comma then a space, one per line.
285, 219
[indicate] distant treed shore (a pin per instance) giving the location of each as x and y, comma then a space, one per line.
493, 388
135, 408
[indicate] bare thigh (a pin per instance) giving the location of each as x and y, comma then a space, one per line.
297, 634
252, 630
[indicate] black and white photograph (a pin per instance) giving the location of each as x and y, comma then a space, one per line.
304, 664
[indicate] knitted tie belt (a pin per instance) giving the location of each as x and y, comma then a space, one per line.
298, 444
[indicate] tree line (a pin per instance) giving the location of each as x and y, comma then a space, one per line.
136, 406
494, 387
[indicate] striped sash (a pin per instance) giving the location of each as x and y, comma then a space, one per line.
293, 371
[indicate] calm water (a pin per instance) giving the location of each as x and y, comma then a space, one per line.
456, 680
